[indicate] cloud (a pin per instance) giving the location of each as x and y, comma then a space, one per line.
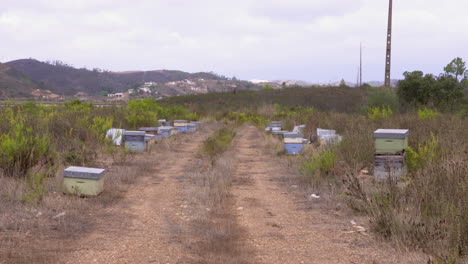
315, 40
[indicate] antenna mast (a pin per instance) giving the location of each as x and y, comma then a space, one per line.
360, 65
388, 58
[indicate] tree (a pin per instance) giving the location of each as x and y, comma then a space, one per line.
416, 88
457, 68
267, 87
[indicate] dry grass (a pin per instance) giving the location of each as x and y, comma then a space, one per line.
29, 233
216, 235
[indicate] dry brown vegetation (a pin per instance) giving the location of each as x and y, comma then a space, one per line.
41, 232
216, 237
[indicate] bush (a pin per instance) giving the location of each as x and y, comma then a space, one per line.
218, 143
318, 166
382, 97
416, 160
21, 149
379, 113
427, 113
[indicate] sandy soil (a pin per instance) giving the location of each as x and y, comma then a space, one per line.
281, 230
139, 228
146, 226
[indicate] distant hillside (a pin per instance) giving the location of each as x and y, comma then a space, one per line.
67, 80
15, 84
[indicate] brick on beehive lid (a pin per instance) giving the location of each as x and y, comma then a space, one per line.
83, 180
391, 141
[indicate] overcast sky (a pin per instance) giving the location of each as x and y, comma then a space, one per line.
312, 40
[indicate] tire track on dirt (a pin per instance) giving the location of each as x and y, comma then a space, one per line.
139, 229
283, 233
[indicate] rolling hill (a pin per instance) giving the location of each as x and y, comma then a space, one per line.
64, 79
15, 84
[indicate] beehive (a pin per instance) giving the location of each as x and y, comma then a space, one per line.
135, 141
181, 125
191, 127
391, 141
149, 130
274, 126
293, 149
83, 181
293, 143
292, 138
165, 131
386, 166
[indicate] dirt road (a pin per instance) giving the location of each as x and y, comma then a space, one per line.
280, 230
148, 225
138, 229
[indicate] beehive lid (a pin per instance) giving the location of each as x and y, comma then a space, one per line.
279, 132
161, 120
192, 125
293, 135
391, 133
83, 173
149, 137
323, 132
134, 133
275, 124
180, 121
148, 129
165, 128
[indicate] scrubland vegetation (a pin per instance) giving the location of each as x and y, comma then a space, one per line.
427, 209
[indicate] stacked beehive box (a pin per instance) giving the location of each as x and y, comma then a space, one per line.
181, 125
191, 127
166, 131
274, 126
390, 147
293, 143
83, 181
135, 141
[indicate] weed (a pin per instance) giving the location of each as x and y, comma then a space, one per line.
379, 113
427, 113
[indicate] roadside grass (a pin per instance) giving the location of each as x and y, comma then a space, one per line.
29, 233
219, 238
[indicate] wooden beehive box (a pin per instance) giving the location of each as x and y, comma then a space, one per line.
135, 141
83, 181
149, 130
391, 141
386, 166
293, 138
191, 127
180, 123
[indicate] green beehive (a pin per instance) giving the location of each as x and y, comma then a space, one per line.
391, 141
83, 181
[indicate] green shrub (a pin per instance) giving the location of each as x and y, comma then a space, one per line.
416, 160
219, 142
318, 167
379, 113
427, 113
382, 97
21, 149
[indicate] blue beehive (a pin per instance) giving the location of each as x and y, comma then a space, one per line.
293, 143
191, 127
165, 131
181, 125
293, 149
135, 141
